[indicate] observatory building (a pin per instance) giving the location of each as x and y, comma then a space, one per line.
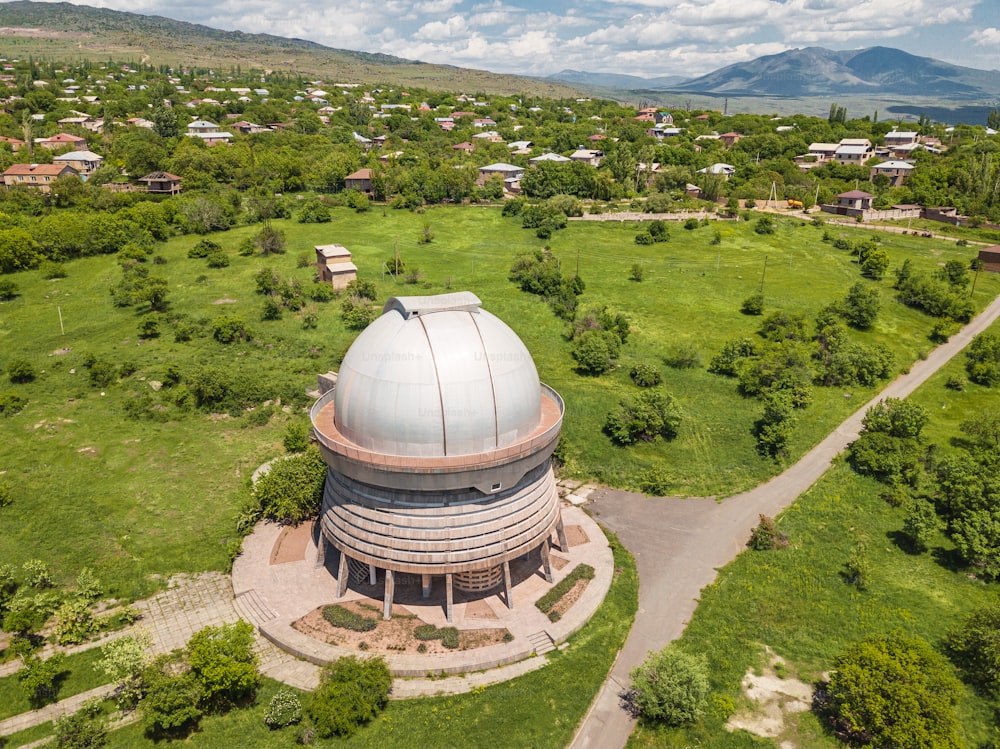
438, 437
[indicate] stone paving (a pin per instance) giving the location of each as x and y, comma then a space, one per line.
273, 596
276, 594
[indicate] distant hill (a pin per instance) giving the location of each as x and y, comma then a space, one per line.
73, 32
815, 71
614, 80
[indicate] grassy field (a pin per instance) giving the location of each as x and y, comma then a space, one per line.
796, 602
153, 498
78, 675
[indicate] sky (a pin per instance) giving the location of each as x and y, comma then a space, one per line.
647, 38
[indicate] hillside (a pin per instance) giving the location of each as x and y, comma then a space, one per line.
64, 31
815, 71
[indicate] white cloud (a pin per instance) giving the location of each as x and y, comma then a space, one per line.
985, 37
455, 27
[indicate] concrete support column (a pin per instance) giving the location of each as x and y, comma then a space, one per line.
390, 588
321, 550
546, 562
425, 581
449, 605
507, 586
372, 575
342, 575
561, 534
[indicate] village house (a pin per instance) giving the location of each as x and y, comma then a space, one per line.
506, 171
900, 138
61, 140
360, 180
726, 170
730, 139
662, 132
162, 183
333, 262
38, 176
208, 132
855, 199
854, 151
587, 156
896, 171
14, 143
84, 162
553, 157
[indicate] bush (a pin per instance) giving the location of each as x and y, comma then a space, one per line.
670, 687
284, 709
892, 690
204, 248
351, 693
595, 351
645, 375
644, 417
314, 211
218, 259
691, 224
728, 361
230, 328
224, 663
637, 272
8, 290
921, 523
861, 306
338, 616
766, 536
683, 356
753, 305
447, 635
20, 371
11, 403
547, 602
764, 225
357, 313
293, 489
81, 730
644, 238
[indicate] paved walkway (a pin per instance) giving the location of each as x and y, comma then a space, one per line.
679, 545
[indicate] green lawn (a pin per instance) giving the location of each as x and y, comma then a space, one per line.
795, 601
156, 498
78, 675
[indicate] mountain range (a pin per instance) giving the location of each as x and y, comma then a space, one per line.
796, 77
815, 71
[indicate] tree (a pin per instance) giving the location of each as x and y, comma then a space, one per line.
172, 697
983, 360
670, 687
896, 417
271, 241
984, 427
646, 416
123, 661
921, 523
292, 489
595, 351
83, 729
223, 661
874, 263
351, 693
861, 306
18, 250
892, 690
40, 678
975, 647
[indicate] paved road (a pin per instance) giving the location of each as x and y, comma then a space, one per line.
679, 544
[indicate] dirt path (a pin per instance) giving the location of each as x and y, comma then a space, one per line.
679, 544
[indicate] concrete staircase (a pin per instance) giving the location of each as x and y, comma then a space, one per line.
251, 607
541, 642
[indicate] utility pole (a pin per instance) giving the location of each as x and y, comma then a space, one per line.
397, 257
764, 273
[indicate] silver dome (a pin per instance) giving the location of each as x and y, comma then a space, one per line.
437, 376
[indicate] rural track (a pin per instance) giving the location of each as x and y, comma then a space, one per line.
680, 544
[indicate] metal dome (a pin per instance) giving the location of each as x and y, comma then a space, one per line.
437, 376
